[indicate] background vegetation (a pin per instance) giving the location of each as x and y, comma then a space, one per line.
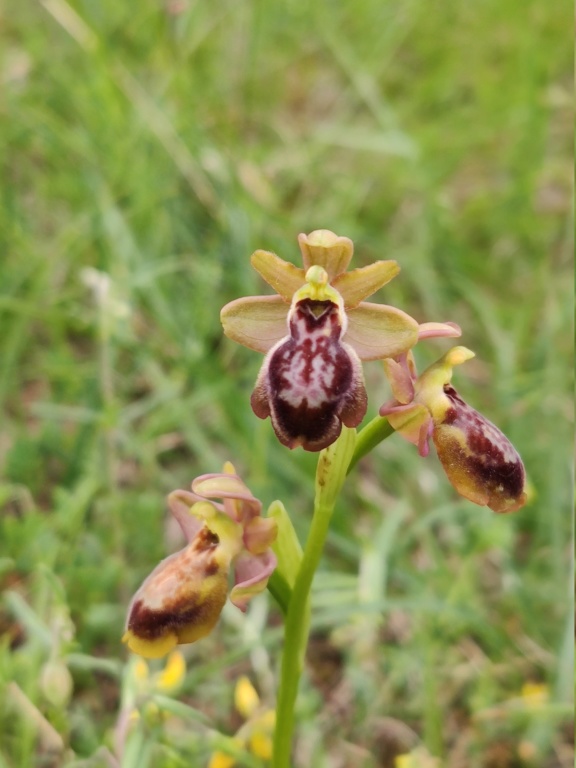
146, 150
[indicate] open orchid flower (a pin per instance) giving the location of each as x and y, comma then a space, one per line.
314, 333
182, 599
480, 461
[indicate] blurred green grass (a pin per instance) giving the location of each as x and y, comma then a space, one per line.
146, 151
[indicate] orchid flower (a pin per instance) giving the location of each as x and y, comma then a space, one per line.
181, 600
315, 332
480, 461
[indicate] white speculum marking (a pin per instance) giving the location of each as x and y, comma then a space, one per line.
308, 367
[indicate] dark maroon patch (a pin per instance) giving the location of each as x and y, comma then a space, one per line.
492, 460
458, 404
150, 624
315, 428
499, 477
205, 539
211, 568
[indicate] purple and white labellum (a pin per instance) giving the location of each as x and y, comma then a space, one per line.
311, 382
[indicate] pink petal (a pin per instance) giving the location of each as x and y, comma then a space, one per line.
239, 503
424, 438
408, 420
438, 330
398, 374
251, 574
221, 486
179, 503
259, 534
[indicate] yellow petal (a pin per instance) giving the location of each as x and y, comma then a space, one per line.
376, 331
256, 322
221, 760
262, 728
535, 694
357, 285
246, 700
284, 277
260, 744
224, 760
173, 673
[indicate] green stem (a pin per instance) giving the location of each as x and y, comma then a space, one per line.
330, 475
369, 437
